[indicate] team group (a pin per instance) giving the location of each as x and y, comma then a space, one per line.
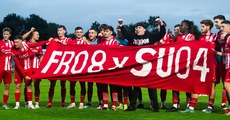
27, 56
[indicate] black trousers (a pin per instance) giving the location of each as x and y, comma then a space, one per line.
152, 97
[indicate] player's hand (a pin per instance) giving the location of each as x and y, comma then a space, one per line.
100, 35
50, 39
32, 29
159, 21
27, 78
120, 21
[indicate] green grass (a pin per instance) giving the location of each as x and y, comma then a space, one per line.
58, 113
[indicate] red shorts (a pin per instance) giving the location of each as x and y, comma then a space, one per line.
6, 76
220, 72
18, 77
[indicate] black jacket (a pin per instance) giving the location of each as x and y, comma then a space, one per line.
147, 39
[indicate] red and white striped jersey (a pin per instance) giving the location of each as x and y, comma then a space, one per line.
6, 47
185, 37
35, 60
166, 39
209, 38
79, 42
220, 43
112, 41
66, 40
23, 55
227, 53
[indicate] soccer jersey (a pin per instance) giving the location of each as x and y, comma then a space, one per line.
166, 39
64, 40
94, 42
227, 53
209, 38
78, 42
112, 41
185, 37
5, 54
220, 43
35, 59
5, 60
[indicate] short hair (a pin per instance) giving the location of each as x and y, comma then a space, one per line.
207, 22
142, 24
221, 17
18, 37
189, 24
177, 25
78, 28
93, 29
109, 28
102, 26
61, 26
225, 22
6, 29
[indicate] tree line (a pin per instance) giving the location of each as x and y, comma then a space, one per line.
20, 25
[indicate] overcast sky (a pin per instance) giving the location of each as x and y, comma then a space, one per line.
72, 13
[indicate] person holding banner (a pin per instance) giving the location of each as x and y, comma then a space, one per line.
168, 38
92, 38
5, 64
34, 62
142, 37
207, 36
22, 54
186, 27
220, 68
108, 39
78, 41
123, 91
225, 30
61, 31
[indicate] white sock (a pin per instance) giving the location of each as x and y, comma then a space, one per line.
191, 108
17, 104
30, 103
175, 105
106, 105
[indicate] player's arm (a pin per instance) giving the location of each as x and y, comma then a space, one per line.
127, 35
38, 43
156, 36
28, 33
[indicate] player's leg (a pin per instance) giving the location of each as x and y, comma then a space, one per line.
51, 93
29, 94
72, 94
99, 95
63, 92
37, 92
7, 77
163, 94
89, 94
82, 95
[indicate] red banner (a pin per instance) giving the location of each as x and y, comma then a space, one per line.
185, 66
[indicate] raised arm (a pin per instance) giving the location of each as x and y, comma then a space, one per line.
127, 35
156, 36
28, 33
